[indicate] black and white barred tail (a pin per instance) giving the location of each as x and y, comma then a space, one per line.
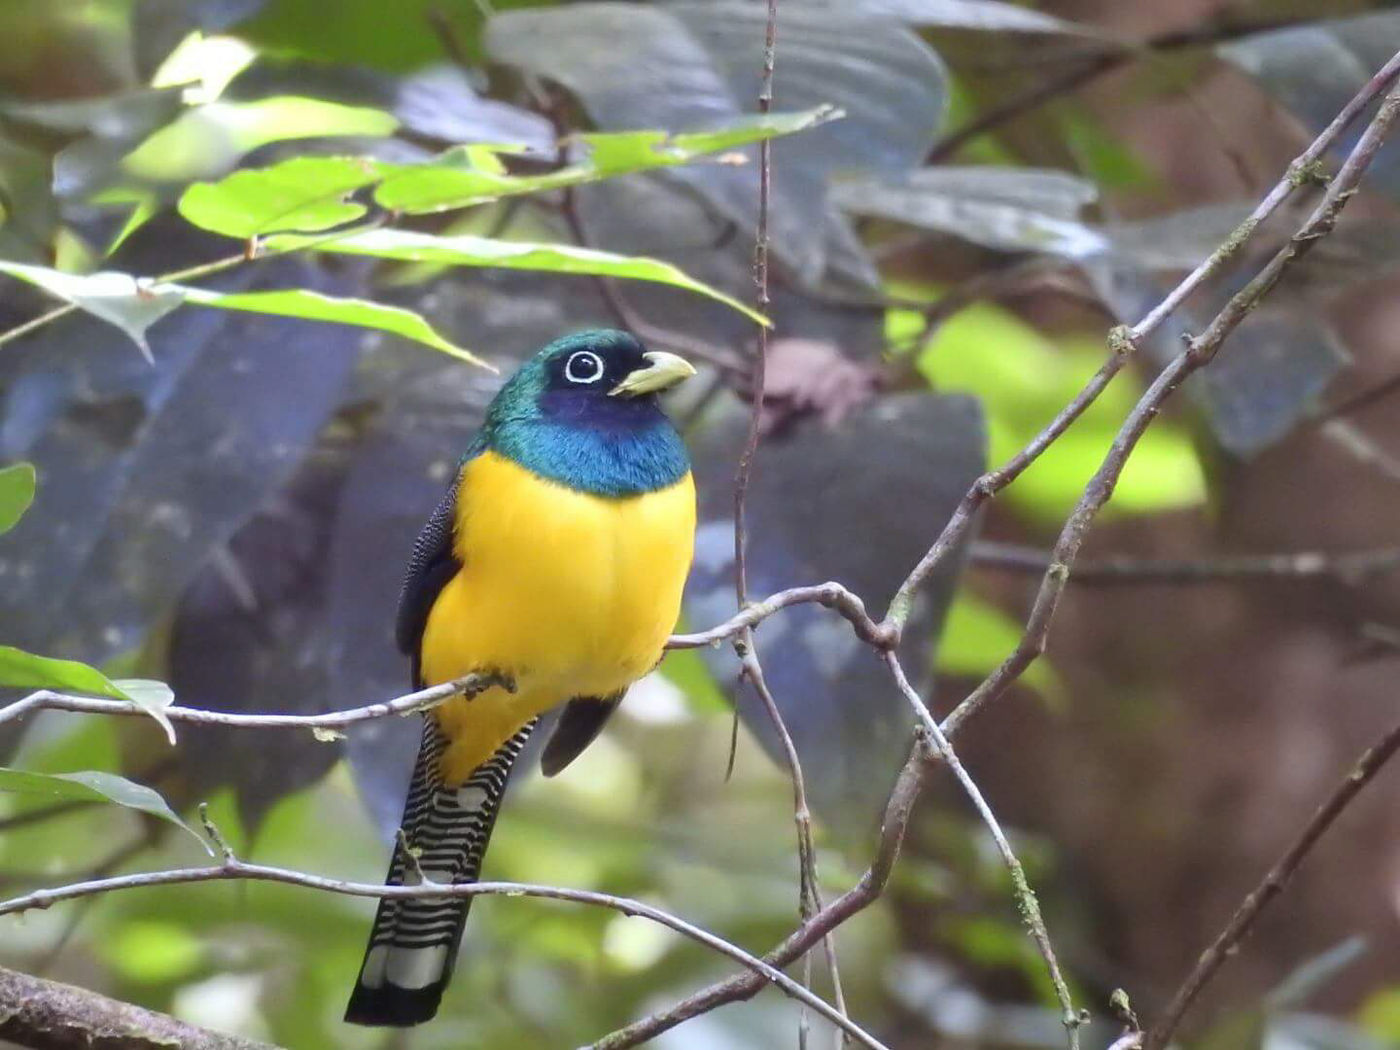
413, 945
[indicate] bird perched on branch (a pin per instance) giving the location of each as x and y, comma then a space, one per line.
556, 559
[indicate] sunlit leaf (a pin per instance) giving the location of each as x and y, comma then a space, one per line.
467, 250
454, 180
132, 304
151, 951
17, 483
314, 306
301, 194
22, 670
92, 786
209, 139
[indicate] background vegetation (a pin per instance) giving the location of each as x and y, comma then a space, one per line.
232, 460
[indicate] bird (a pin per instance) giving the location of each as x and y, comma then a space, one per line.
555, 560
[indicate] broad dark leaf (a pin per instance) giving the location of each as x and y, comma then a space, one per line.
1266, 377
991, 16
1007, 209
877, 515
1315, 69
249, 635
147, 468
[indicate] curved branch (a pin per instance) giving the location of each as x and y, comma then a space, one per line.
232, 869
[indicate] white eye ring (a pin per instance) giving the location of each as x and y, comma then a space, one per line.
583, 366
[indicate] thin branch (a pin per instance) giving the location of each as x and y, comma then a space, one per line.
1090, 67
46, 1015
233, 869
1349, 567
832, 595
1273, 883
1025, 896
468, 686
746, 985
1198, 353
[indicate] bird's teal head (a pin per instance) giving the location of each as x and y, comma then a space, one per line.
584, 412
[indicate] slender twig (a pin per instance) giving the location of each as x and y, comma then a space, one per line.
1198, 353
1025, 896
746, 985
422, 700
233, 869
1348, 567
1091, 66
832, 595
1273, 883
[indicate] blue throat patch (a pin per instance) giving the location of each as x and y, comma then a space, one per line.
584, 440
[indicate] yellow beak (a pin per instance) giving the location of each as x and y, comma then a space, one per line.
664, 371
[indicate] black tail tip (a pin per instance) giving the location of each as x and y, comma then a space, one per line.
393, 1007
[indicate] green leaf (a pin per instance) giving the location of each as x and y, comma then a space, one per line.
977, 637
304, 193
17, 483
457, 179
299, 302
468, 250
151, 951
132, 304
93, 786
22, 670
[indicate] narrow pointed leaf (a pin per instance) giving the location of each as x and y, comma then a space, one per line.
314, 306
302, 194
467, 250
17, 483
22, 670
93, 786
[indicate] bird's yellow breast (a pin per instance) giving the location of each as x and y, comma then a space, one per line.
569, 593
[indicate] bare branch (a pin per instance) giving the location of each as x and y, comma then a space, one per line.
1273, 883
1199, 352
1349, 567
46, 1015
1025, 896
412, 703
233, 869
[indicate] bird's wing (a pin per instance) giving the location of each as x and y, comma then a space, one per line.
579, 725
431, 565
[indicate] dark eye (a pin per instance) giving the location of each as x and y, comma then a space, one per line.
583, 366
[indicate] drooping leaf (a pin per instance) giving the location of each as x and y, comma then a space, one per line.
303, 193
1007, 209
315, 306
22, 670
93, 786
466, 250
117, 298
17, 484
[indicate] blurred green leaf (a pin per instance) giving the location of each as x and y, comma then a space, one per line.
17, 482
92, 786
1024, 379
313, 306
977, 637
468, 250
304, 193
1380, 1015
152, 951
209, 139
133, 305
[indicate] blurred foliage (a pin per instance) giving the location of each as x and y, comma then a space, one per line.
230, 515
